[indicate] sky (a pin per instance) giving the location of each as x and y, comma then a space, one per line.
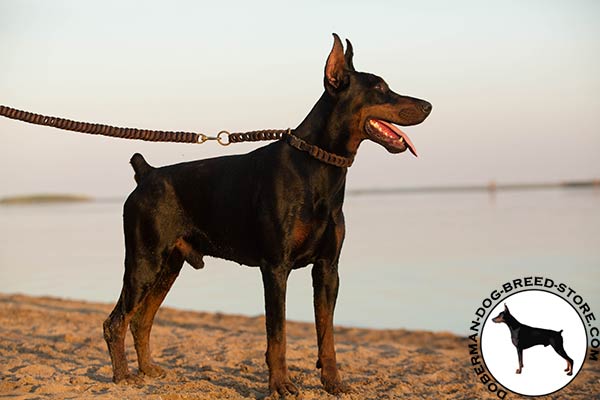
514, 85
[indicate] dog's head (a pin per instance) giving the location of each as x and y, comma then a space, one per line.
373, 110
502, 316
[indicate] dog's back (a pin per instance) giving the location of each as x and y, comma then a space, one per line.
529, 336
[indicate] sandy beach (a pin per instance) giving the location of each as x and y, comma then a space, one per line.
53, 348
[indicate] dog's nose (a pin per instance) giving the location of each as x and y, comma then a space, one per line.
426, 107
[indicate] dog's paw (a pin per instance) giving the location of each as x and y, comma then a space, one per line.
281, 389
336, 388
153, 371
518, 371
128, 379
332, 383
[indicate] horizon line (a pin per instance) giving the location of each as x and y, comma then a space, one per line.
490, 187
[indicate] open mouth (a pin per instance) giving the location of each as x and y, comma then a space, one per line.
389, 135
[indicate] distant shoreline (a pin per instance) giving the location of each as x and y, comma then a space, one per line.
45, 198
491, 187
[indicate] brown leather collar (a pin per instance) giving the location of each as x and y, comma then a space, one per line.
317, 152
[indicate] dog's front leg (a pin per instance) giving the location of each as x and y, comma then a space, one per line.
520, 353
275, 284
325, 284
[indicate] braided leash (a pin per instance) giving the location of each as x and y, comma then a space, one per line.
224, 138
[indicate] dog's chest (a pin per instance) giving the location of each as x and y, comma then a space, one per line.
515, 336
309, 230
305, 233
301, 232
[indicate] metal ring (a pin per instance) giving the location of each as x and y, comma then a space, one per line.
220, 138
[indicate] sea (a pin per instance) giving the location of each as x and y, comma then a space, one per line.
416, 260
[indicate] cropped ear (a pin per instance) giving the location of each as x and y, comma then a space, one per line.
349, 55
335, 68
506, 308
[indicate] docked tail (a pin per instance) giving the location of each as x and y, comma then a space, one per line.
140, 166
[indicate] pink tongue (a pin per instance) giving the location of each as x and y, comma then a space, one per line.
403, 135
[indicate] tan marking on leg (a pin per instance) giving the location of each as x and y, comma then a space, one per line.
141, 324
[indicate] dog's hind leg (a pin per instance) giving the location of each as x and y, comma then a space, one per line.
144, 260
141, 323
138, 277
115, 328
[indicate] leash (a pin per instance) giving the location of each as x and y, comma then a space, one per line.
224, 138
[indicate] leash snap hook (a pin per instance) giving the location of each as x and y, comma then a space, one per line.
222, 138
202, 138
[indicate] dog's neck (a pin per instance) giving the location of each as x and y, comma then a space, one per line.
324, 129
512, 321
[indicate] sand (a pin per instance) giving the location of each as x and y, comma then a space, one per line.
53, 348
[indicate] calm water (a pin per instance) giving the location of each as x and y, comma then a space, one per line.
419, 261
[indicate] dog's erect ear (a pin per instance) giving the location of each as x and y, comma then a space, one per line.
335, 69
506, 308
349, 55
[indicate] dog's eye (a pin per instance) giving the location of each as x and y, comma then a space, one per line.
381, 87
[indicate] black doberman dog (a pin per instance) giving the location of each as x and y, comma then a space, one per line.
277, 208
524, 337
